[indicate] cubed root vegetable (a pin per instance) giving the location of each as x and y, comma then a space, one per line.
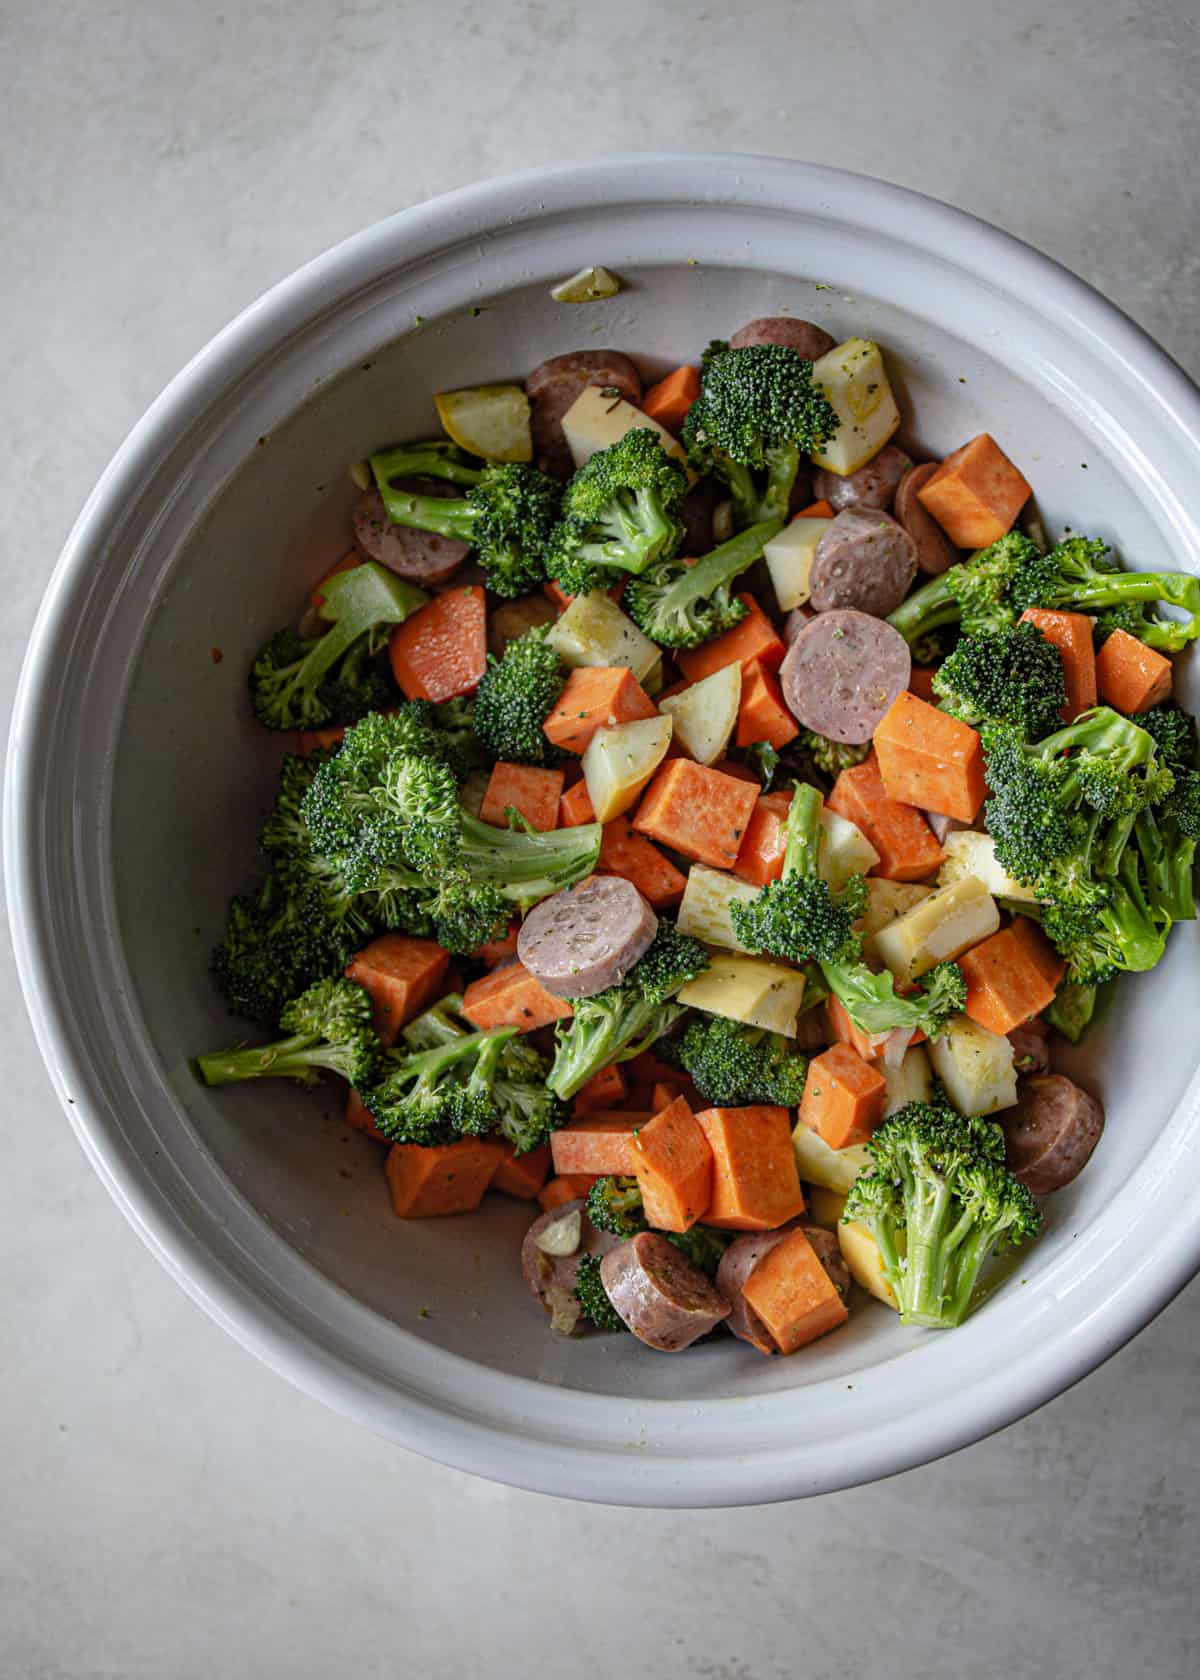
853, 377
755, 990
498, 951
596, 697
1130, 676
864, 1262
975, 1065
401, 976
663, 1095
704, 713
626, 853
606, 1089
533, 792
667, 402
793, 1295
599, 1144
704, 912
674, 1167
575, 806
755, 1183
937, 929
844, 1097
697, 811
568, 1187
816, 510
510, 997
1071, 634
1008, 981
929, 759
359, 1116
760, 858
908, 850
597, 419
619, 762
975, 494
754, 638
522, 1176
441, 650
450, 1178
592, 630
762, 715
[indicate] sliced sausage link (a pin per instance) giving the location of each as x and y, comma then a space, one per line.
420, 556
872, 486
935, 552
546, 1272
586, 938
1051, 1133
804, 337
1031, 1047
829, 1252
842, 672
865, 561
554, 385
663, 1297
733, 1273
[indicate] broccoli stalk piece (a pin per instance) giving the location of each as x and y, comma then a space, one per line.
680, 605
298, 684
436, 1095
329, 1030
620, 513
830, 758
625, 1019
736, 1066
1011, 676
758, 411
799, 915
873, 1005
938, 1202
990, 591
507, 514
516, 695
614, 1204
593, 1297
1168, 834
1072, 1010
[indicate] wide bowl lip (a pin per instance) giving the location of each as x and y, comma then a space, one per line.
491, 1446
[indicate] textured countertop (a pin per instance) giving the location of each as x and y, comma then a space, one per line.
172, 1510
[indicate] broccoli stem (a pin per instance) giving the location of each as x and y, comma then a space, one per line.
442, 515
300, 1057
721, 565
422, 460
802, 850
528, 867
926, 609
783, 463
615, 1033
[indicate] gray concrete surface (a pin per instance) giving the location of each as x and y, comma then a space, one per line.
171, 1510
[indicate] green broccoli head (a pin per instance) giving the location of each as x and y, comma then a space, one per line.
1173, 731
328, 1028
593, 1297
736, 1066
516, 695
614, 1204
620, 513
680, 605
515, 509
1010, 676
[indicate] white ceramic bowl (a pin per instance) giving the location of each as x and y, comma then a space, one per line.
136, 776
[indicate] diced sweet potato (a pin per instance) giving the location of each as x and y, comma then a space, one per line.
1130, 676
450, 1178
441, 650
575, 806
929, 759
907, 847
755, 1183
975, 494
697, 811
402, 976
673, 1163
598, 1144
761, 856
567, 1187
626, 853
844, 1097
596, 697
793, 1295
532, 791
762, 714
510, 997
359, 1116
754, 638
604, 1090
522, 1176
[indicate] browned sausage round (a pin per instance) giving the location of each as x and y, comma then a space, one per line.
872, 486
420, 556
865, 561
842, 673
553, 386
663, 1297
510, 619
542, 1271
829, 1252
935, 551
1052, 1132
586, 938
1031, 1047
803, 337
794, 623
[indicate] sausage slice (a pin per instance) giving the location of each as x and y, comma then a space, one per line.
1031, 1047
743, 1255
803, 337
420, 556
586, 938
872, 486
842, 673
865, 561
663, 1297
545, 1272
1051, 1133
935, 552
553, 386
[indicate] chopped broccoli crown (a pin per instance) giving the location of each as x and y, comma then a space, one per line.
703, 1244
872, 1003
620, 513
328, 1028
516, 695
435, 1095
614, 1204
1010, 676
680, 605
593, 1297
736, 1066
1173, 731
831, 757
799, 915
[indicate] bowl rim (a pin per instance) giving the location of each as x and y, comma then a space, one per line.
496, 1443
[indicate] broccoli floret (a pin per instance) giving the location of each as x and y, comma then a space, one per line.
435, 1095
1011, 676
703, 1244
1174, 733
736, 1066
939, 1202
680, 605
627, 1018
507, 513
614, 1204
593, 1297
799, 915
328, 1029
458, 739
831, 757
330, 679
516, 695
620, 513
989, 592
872, 1003
1072, 1010
276, 943
758, 411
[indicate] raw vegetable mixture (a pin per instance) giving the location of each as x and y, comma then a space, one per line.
698, 817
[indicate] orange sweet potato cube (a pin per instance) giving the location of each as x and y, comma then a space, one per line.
402, 976
600, 1143
755, 1184
522, 1176
1130, 676
755, 637
1008, 980
844, 1097
575, 806
764, 843
674, 1166
626, 853
792, 1294
1071, 634
907, 846
510, 997
975, 494
697, 811
596, 697
929, 759
449, 1178
567, 1187
762, 714
606, 1089
532, 791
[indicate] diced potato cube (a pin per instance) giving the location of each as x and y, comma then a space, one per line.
593, 630
817, 1163
597, 418
942, 926
912, 1081
704, 908
975, 1066
789, 558
864, 1262
750, 989
825, 1206
887, 901
586, 286
619, 762
706, 712
845, 850
970, 853
852, 376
